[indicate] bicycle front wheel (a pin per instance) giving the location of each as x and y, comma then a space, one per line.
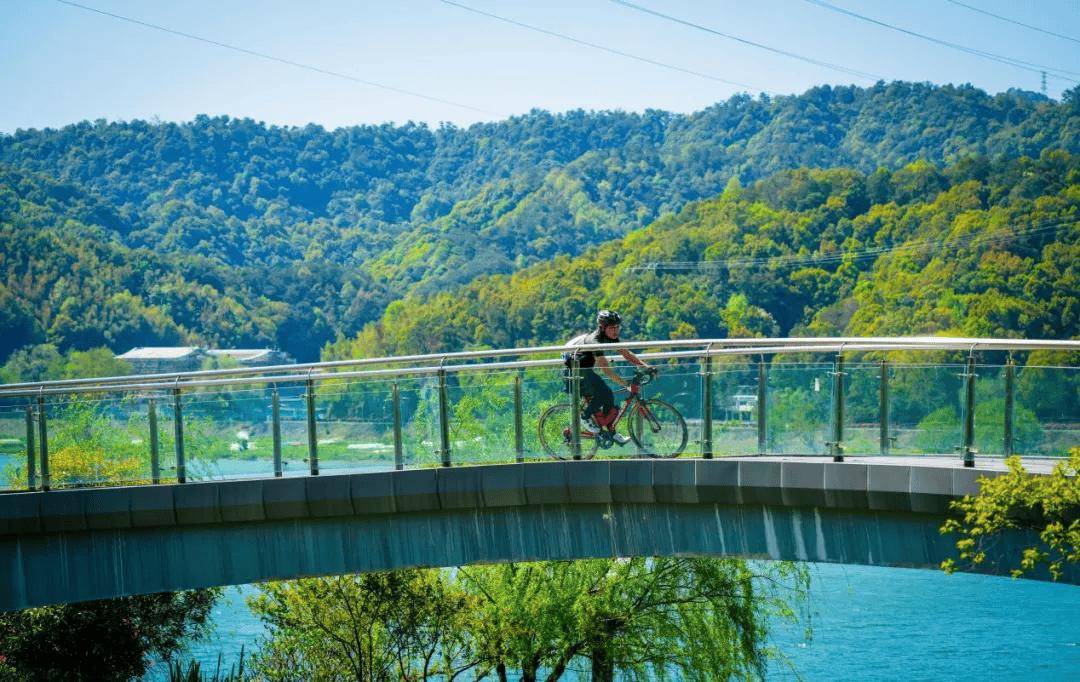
658, 428
554, 431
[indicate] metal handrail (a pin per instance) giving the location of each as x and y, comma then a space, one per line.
740, 347
807, 344
701, 351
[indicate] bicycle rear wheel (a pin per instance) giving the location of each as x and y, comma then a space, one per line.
554, 431
658, 428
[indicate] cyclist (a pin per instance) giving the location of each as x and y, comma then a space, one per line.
601, 404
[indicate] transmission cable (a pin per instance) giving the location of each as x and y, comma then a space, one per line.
745, 41
595, 46
1001, 59
858, 254
1012, 21
280, 60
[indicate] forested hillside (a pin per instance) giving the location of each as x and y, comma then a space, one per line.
981, 249
234, 233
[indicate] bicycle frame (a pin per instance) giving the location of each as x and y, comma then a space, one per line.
634, 399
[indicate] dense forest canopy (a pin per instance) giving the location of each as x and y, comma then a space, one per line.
234, 233
978, 249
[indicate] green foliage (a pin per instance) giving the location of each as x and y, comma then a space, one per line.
230, 232
1048, 505
662, 618
193, 672
101, 640
378, 626
877, 269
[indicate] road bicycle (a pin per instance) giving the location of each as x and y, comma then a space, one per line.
656, 428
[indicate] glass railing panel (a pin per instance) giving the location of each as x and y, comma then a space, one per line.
798, 399
862, 408
989, 417
13, 458
678, 384
1046, 420
480, 407
97, 440
925, 408
420, 420
356, 429
542, 388
735, 399
227, 432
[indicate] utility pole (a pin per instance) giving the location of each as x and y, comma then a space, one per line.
1044, 83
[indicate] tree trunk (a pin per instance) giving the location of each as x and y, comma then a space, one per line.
603, 668
501, 671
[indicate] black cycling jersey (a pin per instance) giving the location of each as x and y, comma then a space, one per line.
587, 358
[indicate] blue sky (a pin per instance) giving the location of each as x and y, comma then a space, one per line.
60, 64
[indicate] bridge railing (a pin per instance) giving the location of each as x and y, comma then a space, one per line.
823, 396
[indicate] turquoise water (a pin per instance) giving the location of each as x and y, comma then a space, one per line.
868, 623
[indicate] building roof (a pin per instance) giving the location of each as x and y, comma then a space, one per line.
159, 353
241, 354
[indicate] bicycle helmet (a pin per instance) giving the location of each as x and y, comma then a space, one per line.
606, 318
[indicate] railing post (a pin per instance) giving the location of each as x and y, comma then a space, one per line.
706, 405
967, 449
312, 433
444, 421
155, 461
43, 443
836, 445
1010, 399
178, 435
31, 459
575, 407
275, 429
519, 440
883, 407
761, 410
395, 409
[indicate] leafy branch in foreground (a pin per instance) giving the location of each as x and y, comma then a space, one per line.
1018, 500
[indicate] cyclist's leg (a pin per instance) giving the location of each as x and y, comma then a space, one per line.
603, 399
593, 387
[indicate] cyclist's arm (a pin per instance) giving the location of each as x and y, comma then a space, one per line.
631, 358
602, 363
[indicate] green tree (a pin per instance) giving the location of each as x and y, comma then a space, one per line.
1018, 500
110, 639
401, 625
692, 618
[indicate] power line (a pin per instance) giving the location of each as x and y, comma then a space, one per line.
1001, 59
1013, 21
595, 46
280, 60
745, 41
858, 254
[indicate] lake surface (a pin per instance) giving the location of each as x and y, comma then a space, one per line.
869, 623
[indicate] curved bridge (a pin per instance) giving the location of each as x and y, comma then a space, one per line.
73, 545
